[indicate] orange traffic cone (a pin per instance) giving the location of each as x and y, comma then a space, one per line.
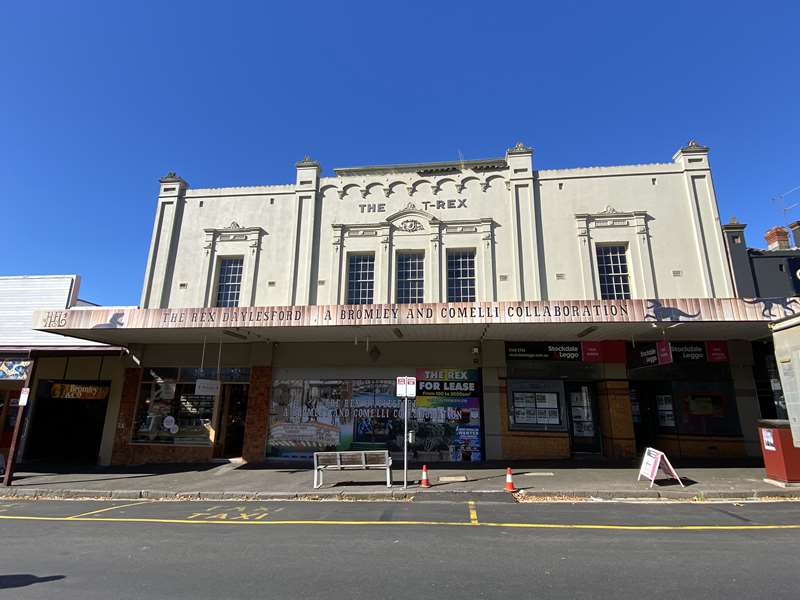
424, 481
509, 481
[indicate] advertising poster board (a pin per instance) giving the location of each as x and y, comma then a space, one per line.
310, 416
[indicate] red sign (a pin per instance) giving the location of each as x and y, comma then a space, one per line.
717, 352
664, 352
592, 352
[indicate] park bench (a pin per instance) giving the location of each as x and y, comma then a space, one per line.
352, 461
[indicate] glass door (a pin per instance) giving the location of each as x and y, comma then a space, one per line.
583, 417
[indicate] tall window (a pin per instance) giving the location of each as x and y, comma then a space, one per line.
461, 276
410, 278
229, 282
612, 266
360, 278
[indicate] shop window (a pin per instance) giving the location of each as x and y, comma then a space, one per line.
229, 282
410, 278
666, 411
461, 276
536, 406
169, 412
360, 278
612, 267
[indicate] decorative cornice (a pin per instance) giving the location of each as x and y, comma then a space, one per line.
307, 162
693, 146
520, 148
171, 177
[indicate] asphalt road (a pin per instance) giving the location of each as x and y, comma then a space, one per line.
85, 550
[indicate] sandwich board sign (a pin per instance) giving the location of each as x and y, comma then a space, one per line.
406, 387
654, 460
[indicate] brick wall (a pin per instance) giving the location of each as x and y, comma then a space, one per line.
257, 419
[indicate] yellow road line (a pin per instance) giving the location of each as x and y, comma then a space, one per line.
473, 513
423, 523
102, 510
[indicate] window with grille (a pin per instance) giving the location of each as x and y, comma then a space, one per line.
360, 278
229, 282
612, 266
410, 278
461, 276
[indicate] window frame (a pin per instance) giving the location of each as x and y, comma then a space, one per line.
473, 253
218, 281
418, 282
349, 298
626, 288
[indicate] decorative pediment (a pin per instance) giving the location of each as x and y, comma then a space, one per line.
411, 210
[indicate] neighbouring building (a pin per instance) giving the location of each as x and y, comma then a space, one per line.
771, 272
545, 313
74, 384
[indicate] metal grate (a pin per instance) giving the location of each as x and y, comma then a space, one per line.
410, 278
229, 282
360, 278
612, 266
461, 276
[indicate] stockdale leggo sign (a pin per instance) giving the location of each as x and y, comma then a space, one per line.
535, 311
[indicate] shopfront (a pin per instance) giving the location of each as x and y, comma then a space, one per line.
553, 389
310, 415
175, 408
683, 399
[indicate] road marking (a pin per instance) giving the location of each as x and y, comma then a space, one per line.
102, 510
473, 513
423, 523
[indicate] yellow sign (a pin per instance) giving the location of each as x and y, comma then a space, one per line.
79, 391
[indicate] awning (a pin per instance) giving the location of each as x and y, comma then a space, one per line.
649, 319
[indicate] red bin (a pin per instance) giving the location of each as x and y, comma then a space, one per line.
781, 457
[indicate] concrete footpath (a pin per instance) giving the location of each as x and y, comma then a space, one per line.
451, 482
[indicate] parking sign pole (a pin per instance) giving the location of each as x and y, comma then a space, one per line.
405, 441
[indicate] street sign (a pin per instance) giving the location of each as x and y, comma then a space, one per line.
23, 396
206, 387
406, 387
654, 460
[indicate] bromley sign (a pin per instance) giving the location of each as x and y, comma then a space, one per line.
535, 311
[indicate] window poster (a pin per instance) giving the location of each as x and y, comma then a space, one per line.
310, 416
536, 408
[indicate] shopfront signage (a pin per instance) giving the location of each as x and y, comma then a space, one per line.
534, 311
665, 353
206, 387
78, 391
588, 352
23, 396
654, 460
14, 370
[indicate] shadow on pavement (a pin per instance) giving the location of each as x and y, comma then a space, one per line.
24, 579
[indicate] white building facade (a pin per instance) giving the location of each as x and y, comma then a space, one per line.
531, 235
545, 313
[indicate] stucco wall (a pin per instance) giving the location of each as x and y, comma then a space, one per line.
534, 232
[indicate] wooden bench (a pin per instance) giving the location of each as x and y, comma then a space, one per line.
352, 461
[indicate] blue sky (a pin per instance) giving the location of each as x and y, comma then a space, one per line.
97, 100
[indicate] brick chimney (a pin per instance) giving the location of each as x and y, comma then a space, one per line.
795, 227
777, 238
